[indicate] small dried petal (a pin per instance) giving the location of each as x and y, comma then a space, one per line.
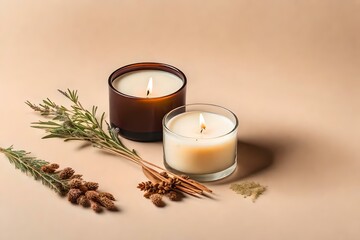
66, 173
108, 195
107, 203
75, 183
47, 169
157, 200
95, 206
74, 194
92, 195
91, 185
83, 201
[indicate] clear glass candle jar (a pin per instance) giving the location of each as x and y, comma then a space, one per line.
200, 140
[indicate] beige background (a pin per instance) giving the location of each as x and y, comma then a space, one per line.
288, 69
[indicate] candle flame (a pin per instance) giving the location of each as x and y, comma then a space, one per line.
149, 87
202, 123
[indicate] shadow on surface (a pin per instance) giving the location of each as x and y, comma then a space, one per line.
251, 159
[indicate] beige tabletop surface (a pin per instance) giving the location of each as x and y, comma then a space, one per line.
288, 69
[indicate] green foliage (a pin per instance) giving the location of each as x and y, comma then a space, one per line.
32, 167
78, 123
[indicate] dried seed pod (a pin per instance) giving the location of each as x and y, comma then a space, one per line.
54, 166
107, 203
75, 183
83, 188
83, 201
66, 173
92, 195
95, 206
74, 194
144, 186
157, 200
91, 185
108, 195
47, 169
173, 196
147, 194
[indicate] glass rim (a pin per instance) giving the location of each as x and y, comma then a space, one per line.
147, 66
165, 127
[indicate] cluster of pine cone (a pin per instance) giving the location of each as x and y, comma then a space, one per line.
82, 192
155, 191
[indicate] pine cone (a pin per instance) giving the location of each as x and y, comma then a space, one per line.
54, 166
47, 169
174, 181
144, 186
91, 185
157, 200
95, 206
74, 194
66, 173
108, 195
107, 203
173, 196
83, 201
162, 187
75, 183
92, 195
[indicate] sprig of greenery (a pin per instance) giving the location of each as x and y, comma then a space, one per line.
32, 167
78, 123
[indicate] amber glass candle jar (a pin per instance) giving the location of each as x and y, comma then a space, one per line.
140, 95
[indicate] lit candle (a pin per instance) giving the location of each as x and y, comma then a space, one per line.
140, 95
148, 83
200, 141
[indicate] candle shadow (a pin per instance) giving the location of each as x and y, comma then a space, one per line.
250, 160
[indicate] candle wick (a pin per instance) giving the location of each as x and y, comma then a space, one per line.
147, 93
202, 129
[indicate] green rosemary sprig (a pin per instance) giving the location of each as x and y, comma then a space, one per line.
32, 166
78, 123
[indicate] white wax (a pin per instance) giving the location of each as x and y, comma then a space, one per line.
193, 152
135, 83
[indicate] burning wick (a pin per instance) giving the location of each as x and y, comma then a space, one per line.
202, 123
149, 87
